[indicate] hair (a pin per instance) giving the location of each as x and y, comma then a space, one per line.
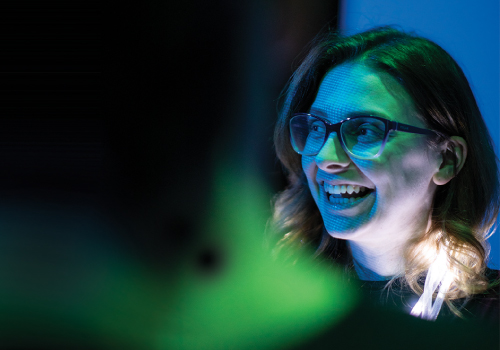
464, 210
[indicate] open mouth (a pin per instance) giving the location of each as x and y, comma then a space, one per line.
339, 194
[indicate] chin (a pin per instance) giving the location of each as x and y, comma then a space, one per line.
345, 228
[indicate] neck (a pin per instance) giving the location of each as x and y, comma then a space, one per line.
377, 264
381, 257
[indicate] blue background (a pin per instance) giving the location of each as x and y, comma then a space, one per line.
469, 31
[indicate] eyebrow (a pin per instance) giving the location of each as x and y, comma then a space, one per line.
322, 113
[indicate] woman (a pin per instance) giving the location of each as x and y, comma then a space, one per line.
392, 171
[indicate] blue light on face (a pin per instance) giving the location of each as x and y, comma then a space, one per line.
360, 199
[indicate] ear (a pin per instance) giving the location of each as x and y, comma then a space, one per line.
454, 154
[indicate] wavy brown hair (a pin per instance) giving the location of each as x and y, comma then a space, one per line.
464, 210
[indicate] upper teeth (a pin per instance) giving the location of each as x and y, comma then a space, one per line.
340, 189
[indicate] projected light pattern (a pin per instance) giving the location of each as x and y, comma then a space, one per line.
397, 185
362, 137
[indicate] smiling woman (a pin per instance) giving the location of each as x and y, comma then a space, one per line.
391, 168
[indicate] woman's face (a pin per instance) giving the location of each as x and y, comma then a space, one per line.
395, 189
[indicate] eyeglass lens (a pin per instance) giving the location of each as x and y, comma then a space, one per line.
363, 137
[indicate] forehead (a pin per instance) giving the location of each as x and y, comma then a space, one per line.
352, 88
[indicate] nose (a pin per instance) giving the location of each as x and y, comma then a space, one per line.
332, 157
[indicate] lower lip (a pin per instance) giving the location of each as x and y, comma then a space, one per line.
349, 204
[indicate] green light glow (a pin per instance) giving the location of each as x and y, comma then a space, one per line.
59, 292
253, 302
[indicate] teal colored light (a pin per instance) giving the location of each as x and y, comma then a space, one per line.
253, 302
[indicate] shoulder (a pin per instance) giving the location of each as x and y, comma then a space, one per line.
486, 305
493, 275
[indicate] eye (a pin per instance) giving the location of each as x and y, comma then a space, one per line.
317, 127
369, 130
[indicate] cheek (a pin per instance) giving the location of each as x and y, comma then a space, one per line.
406, 169
308, 165
310, 169
417, 172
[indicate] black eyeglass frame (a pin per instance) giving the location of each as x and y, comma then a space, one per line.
389, 126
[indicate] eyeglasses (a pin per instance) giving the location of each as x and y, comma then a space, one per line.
363, 137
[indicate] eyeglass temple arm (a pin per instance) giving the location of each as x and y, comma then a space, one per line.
412, 129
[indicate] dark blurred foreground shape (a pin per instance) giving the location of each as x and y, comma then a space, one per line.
132, 194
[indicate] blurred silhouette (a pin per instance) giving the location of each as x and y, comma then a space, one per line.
130, 217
